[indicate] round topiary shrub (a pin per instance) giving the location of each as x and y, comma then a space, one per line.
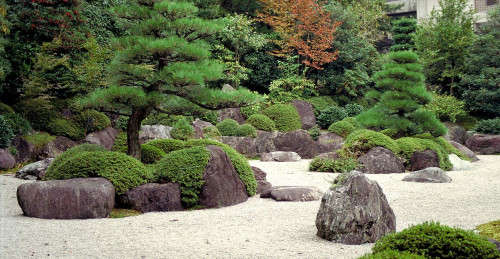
211, 132
5, 109
364, 140
434, 240
285, 117
330, 115
17, 123
65, 128
123, 171
342, 128
151, 154
186, 168
491, 126
6, 134
320, 103
68, 154
92, 120
261, 122
167, 145
353, 109
246, 130
408, 145
182, 130
228, 127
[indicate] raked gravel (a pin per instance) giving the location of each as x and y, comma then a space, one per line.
257, 228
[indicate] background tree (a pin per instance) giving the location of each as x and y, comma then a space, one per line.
4, 30
443, 42
163, 65
403, 93
403, 31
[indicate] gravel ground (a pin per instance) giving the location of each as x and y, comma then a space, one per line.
258, 228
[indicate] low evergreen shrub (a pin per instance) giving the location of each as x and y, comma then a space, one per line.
167, 145
211, 132
65, 128
342, 128
5, 109
391, 254
92, 120
362, 141
151, 154
491, 126
122, 122
210, 116
314, 132
330, 115
320, 103
120, 144
6, 134
17, 123
70, 153
246, 130
285, 117
353, 109
341, 165
446, 107
182, 130
39, 113
228, 127
261, 122
434, 240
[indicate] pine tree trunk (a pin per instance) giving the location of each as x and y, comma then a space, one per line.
133, 127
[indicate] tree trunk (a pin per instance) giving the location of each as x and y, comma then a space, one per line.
133, 127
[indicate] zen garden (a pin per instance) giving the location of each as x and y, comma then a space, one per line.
249, 129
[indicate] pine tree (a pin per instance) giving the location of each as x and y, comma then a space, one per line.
403, 30
163, 66
401, 95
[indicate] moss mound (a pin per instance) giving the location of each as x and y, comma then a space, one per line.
92, 120
65, 128
261, 122
228, 127
391, 254
490, 229
120, 144
167, 145
70, 153
342, 128
151, 154
211, 133
364, 140
182, 130
246, 130
285, 117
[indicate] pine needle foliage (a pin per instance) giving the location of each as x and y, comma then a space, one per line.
403, 30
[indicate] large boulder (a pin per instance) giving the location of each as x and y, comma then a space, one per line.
428, 175
152, 197
355, 211
455, 133
292, 193
244, 145
7, 161
484, 144
467, 152
298, 141
231, 113
105, 137
329, 142
265, 141
260, 177
279, 156
381, 161
34, 171
77, 198
55, 147
152, 132
25, 150
199, 125
423, 159
222, 185
458, 164
306, 113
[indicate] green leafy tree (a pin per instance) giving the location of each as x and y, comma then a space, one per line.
163, 65
401, 95
443, 42
4, 30
403, 30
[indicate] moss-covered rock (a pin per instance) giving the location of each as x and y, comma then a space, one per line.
342, 128
211, 132
490, 229
246, 130
65, 128
364, 140
70, 153
285, 117
261, 122
408, 145
92, 120
228, 127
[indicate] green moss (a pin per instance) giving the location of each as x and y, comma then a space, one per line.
151, 154
364, 140
167, 145
228, 127
246, 130
341, 165
261, 122
123, 213
123, 171
186, 168
285, 117
354, 122
120, 144
65, 128
433, 240
342, 128
490, 229
391, 254
211, 133
70, 153
92, 120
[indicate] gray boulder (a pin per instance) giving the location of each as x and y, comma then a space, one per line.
152, 197
329, 142
428, 175
199, 125
244, 145
55, 147
455, 133
77, 198
25, 150
423, 159
231, 113
34, 171
472, 157
298, 141
152, 132
381, 161
264, 143
279, 156
7, 161
306, 113
292, 193
260, 177
105, 137
458, 164
484, 144
354, 212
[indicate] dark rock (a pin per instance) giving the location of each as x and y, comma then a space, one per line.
263, 185
222, 185
260, 176
484, 144
34, 171
292, 193
306, 113
279, 156
7, 161
298, 141
496, 243
428, 175
25, 150
55, 147
244, 145
329, 142
152, 197
105, 137
423, 159
265, 141
329, 155
381, 161
152, 132
355, 212
467, 152
231, 113
258, 173
455, 133
77, 198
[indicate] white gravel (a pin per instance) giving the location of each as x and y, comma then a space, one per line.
258, 228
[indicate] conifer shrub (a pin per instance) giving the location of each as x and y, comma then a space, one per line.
38, 112
123, 171
4, 109
17, 123
433, 240
120, 144
121, 122
92, 120
491, 126
182, 130
314, 132
353, 109
446, 107
167, 145
341, 165
151, 154
261, 122
70, 153
320, 103
342, 128
404, 30
211, 133
362, 141
228, 127
65, 128
210, 116
6, 134
392, 254
330, 115
285, 117
246, 130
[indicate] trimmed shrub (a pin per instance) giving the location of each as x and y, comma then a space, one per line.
248, 111
342, 128
92, 120
6, 134
353, 109
165, 119
17, 123
151, 154
354, 122
228, 127
210, 116
285, 117
211, 132
320, 103
186, 168
39, 113
491, 126
446, 107
246, 130
341, 165
4, 109
122, 122
314, 132
391, 254
364, 140
434, 240
182, 130
120, 144
66, 128
261, 122
167, 145
70, 153
123, 171
330, 115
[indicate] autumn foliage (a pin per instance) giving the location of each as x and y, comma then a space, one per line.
304, 28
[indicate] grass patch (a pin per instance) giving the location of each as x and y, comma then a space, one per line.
39, 139
123, 213
490, 229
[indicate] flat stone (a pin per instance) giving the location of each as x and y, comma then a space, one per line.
292, 193
428, 175
280, 156
298, 141
464, 150
484, 144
